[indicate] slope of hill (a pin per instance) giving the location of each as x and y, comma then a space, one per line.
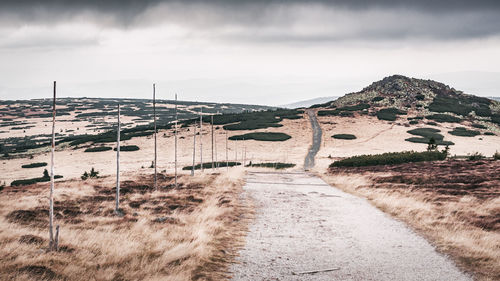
398, 95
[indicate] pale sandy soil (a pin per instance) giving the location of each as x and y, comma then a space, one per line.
375, 136
72, 163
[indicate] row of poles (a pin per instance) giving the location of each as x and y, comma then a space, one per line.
54, 238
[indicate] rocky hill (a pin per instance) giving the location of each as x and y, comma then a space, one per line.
398, 95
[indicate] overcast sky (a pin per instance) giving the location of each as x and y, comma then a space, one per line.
264, 52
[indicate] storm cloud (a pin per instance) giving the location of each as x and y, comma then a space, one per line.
274, 21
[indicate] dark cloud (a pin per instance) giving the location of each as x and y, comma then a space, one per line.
275, 21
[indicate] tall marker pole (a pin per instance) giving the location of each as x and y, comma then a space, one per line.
201, 138
194, 147
117, 200
227, 159
212, 123
52, 245
154, 121
175, 140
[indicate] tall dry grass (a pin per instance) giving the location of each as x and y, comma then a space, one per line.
190, 233
446, 223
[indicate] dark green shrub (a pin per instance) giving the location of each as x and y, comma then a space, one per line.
246, 125
426, 141
496, 156
389, 114
475, 156
427, 133
432, 123
463, 132
262, 136
357, 107
34, 165
489, 134
208, 165
390, 158
44, 178
444, 118
413, 122
344, 136
376, 99
277, 165
420, 97
128, 148
92, 174
479, 126
460, 104
97, 149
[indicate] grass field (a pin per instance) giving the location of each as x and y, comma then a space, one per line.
189, 233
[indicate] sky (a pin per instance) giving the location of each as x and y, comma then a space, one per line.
260, 52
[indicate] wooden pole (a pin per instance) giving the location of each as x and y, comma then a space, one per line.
175, 132
212, 123
201, 138
154, 121
194, 147
117, 199
51, 196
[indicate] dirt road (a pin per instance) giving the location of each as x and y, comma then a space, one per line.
316, 140
302, 224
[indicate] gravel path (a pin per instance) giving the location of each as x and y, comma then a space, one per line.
302, 224
316, 141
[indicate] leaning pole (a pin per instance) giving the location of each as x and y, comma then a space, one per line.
52, 245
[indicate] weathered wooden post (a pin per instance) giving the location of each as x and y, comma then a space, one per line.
194, 147
175, 132
154, 122
52, 243
117, 199
201, 138
212, 123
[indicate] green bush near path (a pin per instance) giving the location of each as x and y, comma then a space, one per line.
390, 158
34, 165
276, 165
97, 149
344, 136
262, 136
208, 165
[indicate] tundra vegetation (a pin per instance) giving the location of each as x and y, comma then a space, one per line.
344, 136
272, 165
262, 136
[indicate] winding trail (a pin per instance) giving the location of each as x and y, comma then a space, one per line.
316, 140
307, 230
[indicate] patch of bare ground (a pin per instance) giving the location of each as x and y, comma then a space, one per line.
455, 204
187, 233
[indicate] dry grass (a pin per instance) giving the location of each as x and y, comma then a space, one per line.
461, 219
189, 233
